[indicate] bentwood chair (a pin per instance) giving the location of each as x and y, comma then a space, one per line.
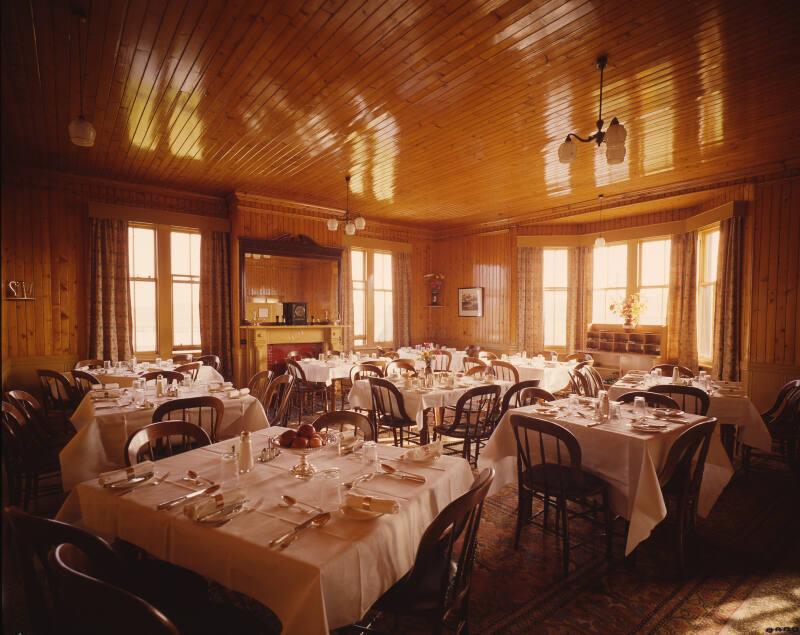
783, 422
182, 358
504, 371
579, 356
390, 354
278, 399
91, 364
390, 412
471, 362
58, 395
441, 360
155, 441
401, 367
594, 378
511, 396
364, 371
36, 418
192, 369
304, 389
689, 399
532, 396
549, 469
169, 375
781, 399
471, 423
476, 370
667, 369
83, 382
652, 399
680, 480
205, 411
437, 589
345, 418
472, 350
258, 385
210, 360
487, 356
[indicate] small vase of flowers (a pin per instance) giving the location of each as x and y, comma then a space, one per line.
629, 309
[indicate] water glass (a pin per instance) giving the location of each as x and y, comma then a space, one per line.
639, 408
614, 410
229, 466
572, 402
158, 362
657, 372
371, 454
330, 488
106, 365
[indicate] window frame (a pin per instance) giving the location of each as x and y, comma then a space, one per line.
703, 236
628, 278
154, 280
565, 289
368, 340
639, 284
190, 279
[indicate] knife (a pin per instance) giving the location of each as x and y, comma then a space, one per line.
294, 530
181, 499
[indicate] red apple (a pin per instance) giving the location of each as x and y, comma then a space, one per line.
300, 443
306, 430
287, 438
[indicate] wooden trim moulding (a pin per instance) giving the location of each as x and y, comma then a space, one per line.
158, 217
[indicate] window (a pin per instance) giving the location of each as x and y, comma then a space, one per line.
654, 279
373, 315
706, 292
610, 281
185, 260
142, 280
554, 296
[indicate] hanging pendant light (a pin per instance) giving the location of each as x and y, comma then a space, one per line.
350, 224
81, 131
600, 242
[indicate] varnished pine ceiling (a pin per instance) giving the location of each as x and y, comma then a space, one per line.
445, 113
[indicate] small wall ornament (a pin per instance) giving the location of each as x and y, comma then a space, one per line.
435, 282
19, 290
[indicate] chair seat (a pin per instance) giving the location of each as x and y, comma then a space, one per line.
460, 432
390, 422
539, 476
402, 598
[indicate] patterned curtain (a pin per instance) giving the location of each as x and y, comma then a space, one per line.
727, 314
346, 299
681, 342
579, 296
401, 298
110, 315
215, 298
530, 328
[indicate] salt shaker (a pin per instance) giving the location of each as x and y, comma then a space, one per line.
676, 376
246, 459
159, 386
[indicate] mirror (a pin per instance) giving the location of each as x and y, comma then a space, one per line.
293, 270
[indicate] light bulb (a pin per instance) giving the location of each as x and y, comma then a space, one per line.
81, 132
333, 224
599, 242
567, 151
361, 223
350, 228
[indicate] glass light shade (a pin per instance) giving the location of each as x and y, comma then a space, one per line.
350, 228
616, 134
81, 132
333, 224
599, 242
361, 223
615, 154
567, 151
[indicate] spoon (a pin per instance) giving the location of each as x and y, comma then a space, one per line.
388, 469
290, 501
194, 477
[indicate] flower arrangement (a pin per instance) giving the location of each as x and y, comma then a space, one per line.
629, 309
427, 357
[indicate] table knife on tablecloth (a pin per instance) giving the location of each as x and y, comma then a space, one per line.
181, 499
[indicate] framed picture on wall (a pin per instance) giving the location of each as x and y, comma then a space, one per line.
470, 302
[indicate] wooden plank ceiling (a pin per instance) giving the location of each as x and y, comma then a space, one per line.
445, 113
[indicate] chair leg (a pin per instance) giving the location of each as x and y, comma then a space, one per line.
564, 536
524, 503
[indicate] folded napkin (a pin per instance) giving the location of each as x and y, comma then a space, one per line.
244, 391
423, 452
232, 394
113, 393
209, 504
372, 504
217, 387
139, 469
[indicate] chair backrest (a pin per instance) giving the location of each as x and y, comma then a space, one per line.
16, 437
401, 367
476, 411
534, 395
486, 356
205, 411
688, 398
579, 356
93, 606
543, 442
34, 537
210, 360
652, 399
169, 375
472, 350
476, 370
471, 362
387, 401
504, 371
295, 370
441, 360
27, 404
294, 356
687, 457
341, 418
581, 364
88, 363
448, 548
258, 385
667, 369
786, 424
594, 377
192, 368
362, 371
84, 381
142, 443
57, 391
182, 358
576, 382
276, 401
511, 397
781, 399
390, 354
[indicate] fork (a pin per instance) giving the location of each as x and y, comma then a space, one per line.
156, 481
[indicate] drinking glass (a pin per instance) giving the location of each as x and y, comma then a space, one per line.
657, 372
330, 492
334, 441
639, 408
158, 362
107, 365
572, 402
371, 454
229, 466
170, 362
553, 357
614, 410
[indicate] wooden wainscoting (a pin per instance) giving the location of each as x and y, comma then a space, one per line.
763, 382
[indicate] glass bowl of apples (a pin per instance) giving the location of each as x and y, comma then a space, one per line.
302, 442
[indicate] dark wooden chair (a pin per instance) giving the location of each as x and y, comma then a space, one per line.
478, 371
156, 441
278, 399
393, 355
471, 423
169, 375
295, 356
680, 480
652, 399
532, 396
205, 411
579, 356
192, 369
84, 382
472, 350
400, 367
182, 358
783, 422
471, 362
582, 364
390, 411
258, 385
437, 589
27, 462
594, 377
89, 363
58, 396
511, 397
689, 399
210, 360
36, 417
441, 360
304, 389
487, 356
667, 369
342, 418
549, 469
781, 399
504, 371
364, 371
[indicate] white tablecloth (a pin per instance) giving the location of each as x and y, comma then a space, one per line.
629, 461
738, 411
102, 433
553, 377
205, 375
456, 359
325, 372
327, 578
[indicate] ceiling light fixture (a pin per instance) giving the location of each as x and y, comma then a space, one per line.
81, 131
350, 224
600, 242
614, 137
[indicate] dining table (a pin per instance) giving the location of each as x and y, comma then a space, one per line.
415, 354
553, 376
125, 377
627, 458
103, 426
329, 576
728, 403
